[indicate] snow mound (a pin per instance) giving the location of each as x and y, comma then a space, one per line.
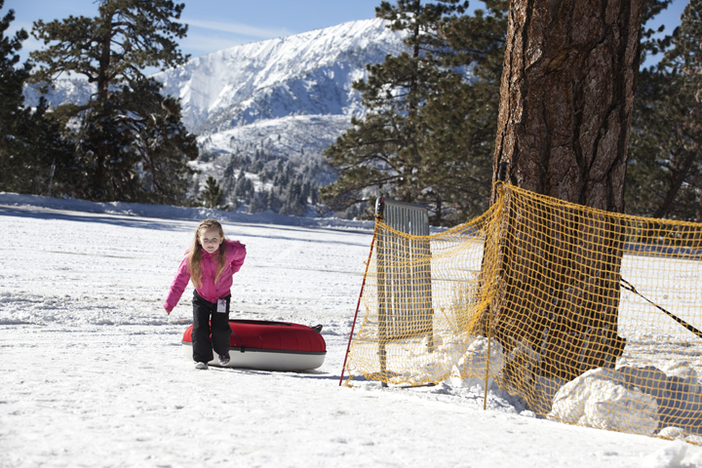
602, 398
471, 367
633, 400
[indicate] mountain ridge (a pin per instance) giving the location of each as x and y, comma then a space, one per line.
309, 73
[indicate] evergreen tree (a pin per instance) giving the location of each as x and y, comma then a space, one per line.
259, 202
460, 117
664, 176
131, 144
161, 141
31, 146
244, 189
567, 97
381, 151
12, 74
213, 195
429, 134
45, 158
126, 37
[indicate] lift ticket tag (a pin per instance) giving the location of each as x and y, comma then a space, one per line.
221, 305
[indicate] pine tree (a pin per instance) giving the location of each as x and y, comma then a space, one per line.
126, 37
46, 158
460, 117
429, 134
131, 144
31, 146
244, 189
664, 176
12, 73
259, 202
563, 131
213, 195
12, 78
381, 151
162, 142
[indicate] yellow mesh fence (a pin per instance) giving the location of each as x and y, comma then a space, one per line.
590, 317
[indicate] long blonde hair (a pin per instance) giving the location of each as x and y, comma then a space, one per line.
195, 254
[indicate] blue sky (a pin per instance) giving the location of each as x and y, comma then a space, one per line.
214, 24
219, 24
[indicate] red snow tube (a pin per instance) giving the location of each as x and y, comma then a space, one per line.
266, 345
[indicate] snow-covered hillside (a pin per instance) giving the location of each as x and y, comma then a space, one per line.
73, 90
280, 99
287, 98
309, 73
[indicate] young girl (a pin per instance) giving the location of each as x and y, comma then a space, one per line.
210, 263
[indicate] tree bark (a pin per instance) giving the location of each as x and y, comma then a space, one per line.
567, 94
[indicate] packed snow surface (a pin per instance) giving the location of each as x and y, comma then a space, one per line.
93, 372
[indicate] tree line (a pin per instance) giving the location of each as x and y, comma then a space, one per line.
263, 181
428, 136
127, 143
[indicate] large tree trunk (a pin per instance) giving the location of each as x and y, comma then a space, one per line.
567, 95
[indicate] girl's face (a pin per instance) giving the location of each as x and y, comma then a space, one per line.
210, 239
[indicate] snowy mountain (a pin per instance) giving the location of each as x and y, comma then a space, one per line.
74, 90
309, 73
280, 99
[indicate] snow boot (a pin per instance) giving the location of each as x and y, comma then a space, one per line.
223, 359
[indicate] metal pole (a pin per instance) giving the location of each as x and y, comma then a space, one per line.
358, 304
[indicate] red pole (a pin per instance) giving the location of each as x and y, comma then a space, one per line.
358, 305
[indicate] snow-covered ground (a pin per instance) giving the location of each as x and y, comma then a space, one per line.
92, 370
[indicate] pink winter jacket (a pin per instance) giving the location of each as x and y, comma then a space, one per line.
235, 252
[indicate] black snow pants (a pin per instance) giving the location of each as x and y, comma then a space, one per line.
204, 312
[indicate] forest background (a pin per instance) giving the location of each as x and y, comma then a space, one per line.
428, 136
